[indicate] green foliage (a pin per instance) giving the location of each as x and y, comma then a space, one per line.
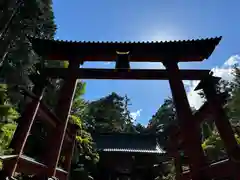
6, 134
75, 120
4, 106
162, 120
108, 114
87, 152
237, 138
206, 130
236, 81
8, 115
140, 128
214, 147
79, 104
165, 116
234, 103
34, 18
85, 155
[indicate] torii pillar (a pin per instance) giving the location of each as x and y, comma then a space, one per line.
174, 151
70, 150
220, 118
62, 111
190, 130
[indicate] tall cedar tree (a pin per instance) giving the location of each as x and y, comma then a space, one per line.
33, 18
109, 114
162, 120
234, 103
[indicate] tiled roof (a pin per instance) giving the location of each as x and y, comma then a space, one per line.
129, 143
125, 42
154, 51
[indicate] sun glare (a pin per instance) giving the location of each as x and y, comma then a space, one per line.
167, 34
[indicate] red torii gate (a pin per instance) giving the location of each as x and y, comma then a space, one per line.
169, 53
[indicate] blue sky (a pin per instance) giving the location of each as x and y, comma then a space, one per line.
138, 20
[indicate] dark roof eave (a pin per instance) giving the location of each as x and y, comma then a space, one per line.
189, 50
218, 38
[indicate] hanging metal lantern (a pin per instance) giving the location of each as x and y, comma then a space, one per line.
122, 61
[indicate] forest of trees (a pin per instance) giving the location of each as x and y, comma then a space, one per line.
108, 114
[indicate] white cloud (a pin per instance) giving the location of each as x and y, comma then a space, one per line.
225, 72
232, 60
193, 97
135, 114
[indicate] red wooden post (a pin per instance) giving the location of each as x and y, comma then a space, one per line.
178, 165
24, 127
62, 111
177, 160
26, 120
189, 129
221, 120
70, 151
173, 150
